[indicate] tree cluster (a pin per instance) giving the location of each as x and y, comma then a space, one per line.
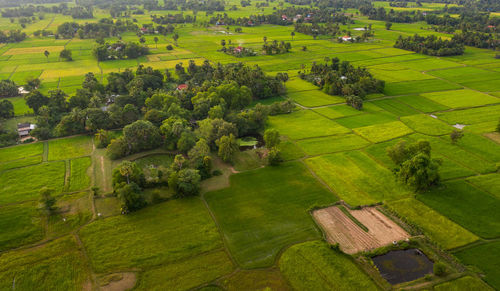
103, 28
276, 48
430, 45
12, 36
119, 50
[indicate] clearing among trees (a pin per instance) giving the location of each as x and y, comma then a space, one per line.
351, 236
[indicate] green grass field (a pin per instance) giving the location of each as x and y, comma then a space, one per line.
427, 125
384, 131
20, 225
67, 148
79, 178
331, 144
265, 210
486, 257
314, 266
464, 283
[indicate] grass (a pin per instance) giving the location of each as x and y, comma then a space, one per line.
481, 146
72, 212
186, 274
260, 279
305, 124
427, 125
155, 160
314, 266
290, 151
383, 132
248, 160
460, 201
369, 118
20, 106
68, 148
333, 112
416, 87
28, 161
437, 227
396, 108
486, 257
314, 98
471, 115
156, 235
79, 178
330, 144
489, 183
20, 152
421, 103
57, 265
14, 187
356, 178
20, 224
461, 98
463, 283
265, 210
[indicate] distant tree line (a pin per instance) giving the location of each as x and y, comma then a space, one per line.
172, 18
12, 36
430, 45
119, 50
77, 12
103, 28
274, 47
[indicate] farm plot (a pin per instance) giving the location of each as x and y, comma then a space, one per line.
427, 125
460, 201
297, 85
415, 87
13, 186
79, 179
57, 263
486, 257
333, 112
370, 117
471, 115
461, 98
314, 266
67, 148
437, 227
20, 106
156, 235
331, 144
305, 124
20, 152
356, 178
342, 229
314, 98
382, 132
489, 183
265, 210
394, 107
421, 103
20, 224
263, 279
464, 283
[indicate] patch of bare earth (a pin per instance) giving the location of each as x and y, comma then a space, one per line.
341, 229
494, 136
126, 282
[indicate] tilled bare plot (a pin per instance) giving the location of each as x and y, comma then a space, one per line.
339, 228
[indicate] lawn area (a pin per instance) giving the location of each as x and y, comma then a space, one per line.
460, 201
156, 235
67, 148
313, 98
79, 179
315, 266
305, 124
186, 274
266, 209
155, 160
425, 124
486, 257
382, 132
356, 178
20, 224
58, 263
13, 186
331, 144
464, 283
437, 227
461, 98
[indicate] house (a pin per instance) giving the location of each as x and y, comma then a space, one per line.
284, 17
346, 38
24, 130
22, 91
182, 87
238, 49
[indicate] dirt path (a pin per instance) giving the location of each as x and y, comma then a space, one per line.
127, 282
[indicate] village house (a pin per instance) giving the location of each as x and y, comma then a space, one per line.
24, 130
346, 38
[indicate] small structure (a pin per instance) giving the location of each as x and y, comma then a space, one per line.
346, 38
182, 87
24, 130
22, 91
284, 17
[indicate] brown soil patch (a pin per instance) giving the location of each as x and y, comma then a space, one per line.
126, 282
494, 136
341, 229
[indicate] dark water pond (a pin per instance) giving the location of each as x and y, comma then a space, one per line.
251, 141
403, 265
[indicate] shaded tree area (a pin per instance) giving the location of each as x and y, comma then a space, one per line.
430, 45
119, 50
104, 28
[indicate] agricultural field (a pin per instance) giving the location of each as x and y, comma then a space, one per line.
307, 213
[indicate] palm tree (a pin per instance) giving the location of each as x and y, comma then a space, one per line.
156, 41
47, 53
292, 34
126, 170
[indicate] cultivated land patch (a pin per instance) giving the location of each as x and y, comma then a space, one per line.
426, 124
331, 144
67, 148
421, 86
313, 98
461, 98
342, 229
486, 257
382, 132
464, 283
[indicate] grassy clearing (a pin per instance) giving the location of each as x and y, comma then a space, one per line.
314, 266
79, 178
265, 210
436, 226
14, 187
67, 148
489, 183
248, 160
356, 178
155, 160
383, 132
464, 283
186, 274
314, 98
20, 106
305, 124
486, 257
460, 201
156, 235
333, 112
20, 225
20, 152
297, 85
290, 151
421, 103
461, 98
58, 265
415, 87
267, 279
427, 125
331, 144
72, 211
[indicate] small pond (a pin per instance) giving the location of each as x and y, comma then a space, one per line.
251, 142
403, 265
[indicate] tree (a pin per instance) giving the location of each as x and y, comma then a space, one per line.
142, 40
8, 88
141, 135
455, 135
102, 138
355, 102
6, 109
388, 25
66, 54
228, 146
439, 269
175, 37
46, 54
32, 84
131, 197
47, 202
156, 41
274, 157
264, 39
35, 100
292, 34
186, 141
126, 170
271, 138
188, 182
117, 148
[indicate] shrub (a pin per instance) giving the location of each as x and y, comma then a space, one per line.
439, 269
